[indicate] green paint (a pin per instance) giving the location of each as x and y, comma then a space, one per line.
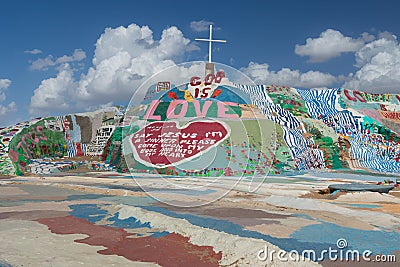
330, 149
32, 143
291, 102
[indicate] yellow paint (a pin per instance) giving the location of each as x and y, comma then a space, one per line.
188, 96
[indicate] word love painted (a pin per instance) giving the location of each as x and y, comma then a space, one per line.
164, 144
177, 109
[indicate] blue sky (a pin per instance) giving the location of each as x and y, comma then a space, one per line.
57, 56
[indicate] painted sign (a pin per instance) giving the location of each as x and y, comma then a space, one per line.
53, 125
163, 86
390, 115
96, 147
164, 144
367, 97
205, 89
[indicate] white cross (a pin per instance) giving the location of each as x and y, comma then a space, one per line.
209, 43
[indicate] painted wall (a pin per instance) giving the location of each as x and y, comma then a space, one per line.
270, 129
314, 129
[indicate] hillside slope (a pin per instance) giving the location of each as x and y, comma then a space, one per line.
336, 129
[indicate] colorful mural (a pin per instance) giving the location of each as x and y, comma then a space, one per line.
54, 144
212, 127
203, 128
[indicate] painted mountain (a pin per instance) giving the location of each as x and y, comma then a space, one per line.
225, 130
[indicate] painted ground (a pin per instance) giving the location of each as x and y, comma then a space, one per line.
105, 219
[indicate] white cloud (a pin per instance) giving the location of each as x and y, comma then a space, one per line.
11, 107
261, 74
202, 25
53, 94
377, 60
4, 84
78, 55
33, 51
379, 67
367, 37
4, 109
124, 57
44, 63
330, 44
387, 35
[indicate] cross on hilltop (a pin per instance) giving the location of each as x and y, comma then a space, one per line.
210, 40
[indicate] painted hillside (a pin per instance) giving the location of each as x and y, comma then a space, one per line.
258, 130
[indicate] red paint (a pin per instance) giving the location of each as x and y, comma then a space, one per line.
79, 152
170, 250
194, 81
217, 93
172, 95
162, 144
359, 96
346, 93
218, 77
209, 79
204, 92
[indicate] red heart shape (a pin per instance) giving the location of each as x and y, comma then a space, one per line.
162, 144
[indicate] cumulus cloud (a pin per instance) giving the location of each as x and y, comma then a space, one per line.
377, 60
4, 109
4, 84
387, 35
124, 58
367, 37
330, 44
261, 74
379, 67
44, 63
53, 94
33, 51
201, 25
